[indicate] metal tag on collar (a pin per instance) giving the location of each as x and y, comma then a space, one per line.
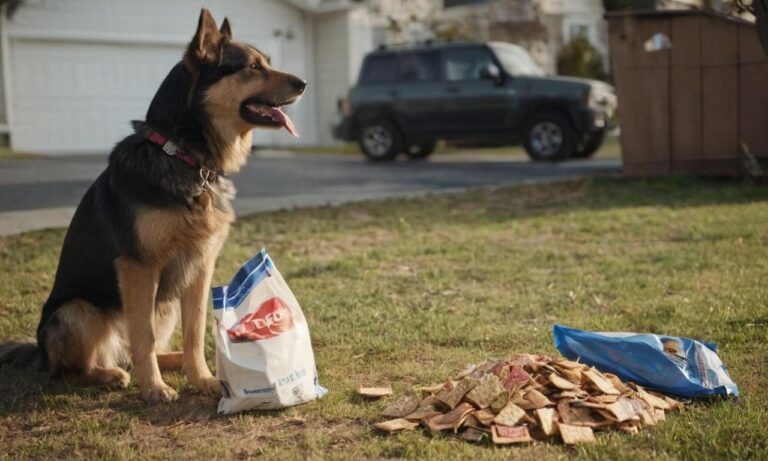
170, 148
206, 177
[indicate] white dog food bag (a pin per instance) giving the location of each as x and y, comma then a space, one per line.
264, 356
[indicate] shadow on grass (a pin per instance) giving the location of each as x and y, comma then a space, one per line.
675, 191
29, 391
672, 192
528, 201
500, 204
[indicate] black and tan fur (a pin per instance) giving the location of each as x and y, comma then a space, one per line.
141, 248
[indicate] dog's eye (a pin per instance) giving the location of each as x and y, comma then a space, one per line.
256, 66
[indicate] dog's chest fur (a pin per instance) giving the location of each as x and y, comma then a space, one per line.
181, 241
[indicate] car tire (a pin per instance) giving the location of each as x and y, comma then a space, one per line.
549, 137
591, 144
380, 141
421, 150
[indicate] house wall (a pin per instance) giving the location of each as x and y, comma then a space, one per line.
566, 19
361, 41
82, 69
331, 52
542, 26
342, 38
3, 113
585, 14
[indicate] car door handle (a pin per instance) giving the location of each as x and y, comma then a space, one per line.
453, 89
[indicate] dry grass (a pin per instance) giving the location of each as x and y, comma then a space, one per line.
410, 291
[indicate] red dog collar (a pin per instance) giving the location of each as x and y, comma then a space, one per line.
207, 175
172, 149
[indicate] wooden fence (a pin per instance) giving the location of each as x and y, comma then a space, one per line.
694, 107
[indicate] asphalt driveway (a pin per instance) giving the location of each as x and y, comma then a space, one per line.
42, 192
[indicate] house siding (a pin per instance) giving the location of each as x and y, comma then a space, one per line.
82, 69
331, 74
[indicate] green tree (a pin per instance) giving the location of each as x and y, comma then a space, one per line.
580, 59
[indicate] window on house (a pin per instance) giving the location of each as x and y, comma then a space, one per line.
578, 30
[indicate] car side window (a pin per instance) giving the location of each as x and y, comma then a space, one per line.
378, 69
418, 67
465, 64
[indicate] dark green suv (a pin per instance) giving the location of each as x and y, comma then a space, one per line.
490, 94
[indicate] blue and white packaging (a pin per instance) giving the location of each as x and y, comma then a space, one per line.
669, 364
264, 355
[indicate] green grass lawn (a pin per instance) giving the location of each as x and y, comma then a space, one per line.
409, 291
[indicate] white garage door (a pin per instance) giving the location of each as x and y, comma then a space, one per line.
79, 97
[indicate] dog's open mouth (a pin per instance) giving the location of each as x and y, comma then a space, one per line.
262, 114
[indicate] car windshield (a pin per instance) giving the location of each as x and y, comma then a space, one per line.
515, 59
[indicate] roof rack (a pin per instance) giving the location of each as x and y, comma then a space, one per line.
425, 43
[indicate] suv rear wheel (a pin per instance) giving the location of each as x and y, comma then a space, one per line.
421, 150
380, 141
549, 137
590, 145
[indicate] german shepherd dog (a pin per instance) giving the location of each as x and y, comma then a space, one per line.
142, 245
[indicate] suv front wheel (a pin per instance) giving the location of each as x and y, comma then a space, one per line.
380, 141
549, 137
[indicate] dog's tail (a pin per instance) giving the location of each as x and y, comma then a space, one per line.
21, 353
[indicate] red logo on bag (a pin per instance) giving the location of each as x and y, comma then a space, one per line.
272, 318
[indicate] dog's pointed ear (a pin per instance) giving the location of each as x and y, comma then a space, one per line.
226, 28
205, 44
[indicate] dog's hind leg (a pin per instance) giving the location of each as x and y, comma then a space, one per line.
166, 318
98, 375
83, 343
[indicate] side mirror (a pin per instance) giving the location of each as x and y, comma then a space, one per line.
491, 72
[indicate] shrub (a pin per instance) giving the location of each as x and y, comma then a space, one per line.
580, 59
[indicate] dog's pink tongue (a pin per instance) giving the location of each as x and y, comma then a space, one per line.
283, 118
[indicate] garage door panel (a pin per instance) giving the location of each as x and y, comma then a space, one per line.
88, 126
82, 97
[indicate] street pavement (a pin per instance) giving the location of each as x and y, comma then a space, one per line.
42, 192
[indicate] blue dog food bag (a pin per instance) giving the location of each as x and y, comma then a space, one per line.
669, 364
264, 355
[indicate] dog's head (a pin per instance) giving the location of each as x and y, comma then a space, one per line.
221, 91
239, 82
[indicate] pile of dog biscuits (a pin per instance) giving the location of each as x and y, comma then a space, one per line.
528, 397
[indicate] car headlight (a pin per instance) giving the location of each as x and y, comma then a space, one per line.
602, 99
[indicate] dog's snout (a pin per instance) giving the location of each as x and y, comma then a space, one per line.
299, 84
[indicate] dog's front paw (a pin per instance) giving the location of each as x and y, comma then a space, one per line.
159, 393
119, 377
209, 386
